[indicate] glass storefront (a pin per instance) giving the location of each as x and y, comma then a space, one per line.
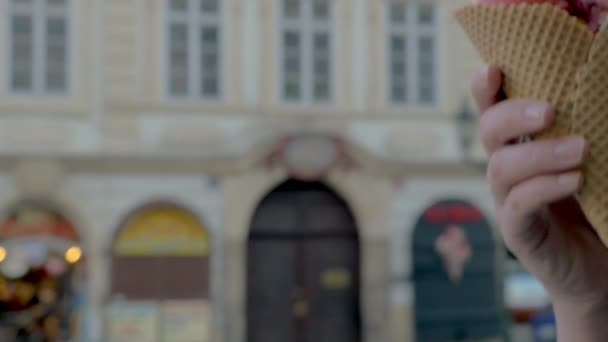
147, 304
41, 275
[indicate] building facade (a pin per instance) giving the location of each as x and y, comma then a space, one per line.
109, 107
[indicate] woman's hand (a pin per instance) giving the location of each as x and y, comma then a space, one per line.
533, 183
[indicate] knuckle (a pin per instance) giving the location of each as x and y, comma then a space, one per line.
494, 172
514, 110
486, 130
513, 206
535, 154
540, 155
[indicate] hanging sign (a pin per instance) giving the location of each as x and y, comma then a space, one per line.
162, 231
453, 213
454, 248
30, 220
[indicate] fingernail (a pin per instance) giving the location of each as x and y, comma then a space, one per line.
570, 179
571, 150
537, 111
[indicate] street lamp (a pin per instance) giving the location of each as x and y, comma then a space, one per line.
465, 121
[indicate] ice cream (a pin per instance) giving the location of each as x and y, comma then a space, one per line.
592, 12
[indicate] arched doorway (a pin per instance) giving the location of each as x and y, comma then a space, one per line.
160, 288
42, 287
457, 289
303, 267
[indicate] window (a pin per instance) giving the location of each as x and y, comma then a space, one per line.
412, 52
306, 44
38, 46
194, 43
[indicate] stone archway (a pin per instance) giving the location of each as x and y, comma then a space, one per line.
303, 267
369, 199
455, 274
161, 236
42, 270
161, 270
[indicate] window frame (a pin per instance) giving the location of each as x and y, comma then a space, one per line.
306, 31
194, 23
412, 31
39, 87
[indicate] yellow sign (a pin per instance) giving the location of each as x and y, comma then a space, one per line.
162, 231
336, 279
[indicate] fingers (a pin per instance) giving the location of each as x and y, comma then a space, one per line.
517, 163
486, 86
511, 119
528, 197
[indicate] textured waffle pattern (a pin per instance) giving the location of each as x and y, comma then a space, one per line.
548, 55
591, 120
538, 47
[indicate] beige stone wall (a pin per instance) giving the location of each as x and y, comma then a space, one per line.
132, 52
402, 324
457, 60
132, 97
150, 32
136, 60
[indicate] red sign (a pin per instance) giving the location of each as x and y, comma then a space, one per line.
28, 221
453, 213
61, 229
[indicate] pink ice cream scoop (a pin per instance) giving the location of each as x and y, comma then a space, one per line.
593, 12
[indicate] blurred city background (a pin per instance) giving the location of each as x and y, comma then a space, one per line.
248, 171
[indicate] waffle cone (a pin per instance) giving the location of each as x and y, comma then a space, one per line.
548, 55
539, 49
590, 120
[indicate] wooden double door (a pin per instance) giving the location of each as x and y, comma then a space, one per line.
303, 268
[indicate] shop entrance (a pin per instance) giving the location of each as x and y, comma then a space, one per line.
160, 289
458, 292
42, 287
303, 267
